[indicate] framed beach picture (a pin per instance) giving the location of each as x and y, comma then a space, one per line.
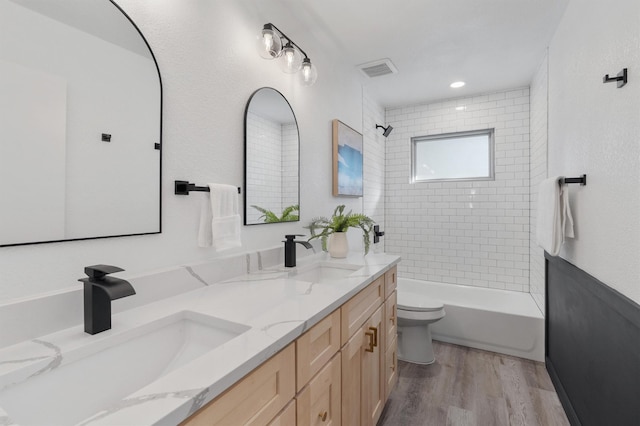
347, 160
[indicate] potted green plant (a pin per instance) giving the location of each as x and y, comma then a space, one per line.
336, 229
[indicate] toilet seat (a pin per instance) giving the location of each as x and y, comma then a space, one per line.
418, 302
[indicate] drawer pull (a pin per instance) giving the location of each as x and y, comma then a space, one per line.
323, 416
375, 335
371, 345
393, 320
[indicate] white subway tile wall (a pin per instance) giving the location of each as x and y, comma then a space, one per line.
467, 232
373, 163
538, 173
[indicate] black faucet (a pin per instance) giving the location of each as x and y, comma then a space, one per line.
290, 249
99, 291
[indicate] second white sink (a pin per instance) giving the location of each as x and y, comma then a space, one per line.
321, 272
114, 368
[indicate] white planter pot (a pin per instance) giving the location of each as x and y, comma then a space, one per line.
338, 245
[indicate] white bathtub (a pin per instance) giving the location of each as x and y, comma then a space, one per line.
502, 321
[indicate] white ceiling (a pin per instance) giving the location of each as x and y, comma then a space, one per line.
489, 44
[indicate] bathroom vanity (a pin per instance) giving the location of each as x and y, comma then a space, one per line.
341, 371
315, 344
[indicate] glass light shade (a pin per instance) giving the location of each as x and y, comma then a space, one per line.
290, 59
309, 73
269, 44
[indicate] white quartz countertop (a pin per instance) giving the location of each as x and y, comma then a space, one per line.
275, 308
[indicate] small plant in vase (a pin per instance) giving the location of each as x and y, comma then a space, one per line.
336, 228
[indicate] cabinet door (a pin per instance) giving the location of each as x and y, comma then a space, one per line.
391, 368
390, 321
319, 403
256, 399
373, 371
352, 354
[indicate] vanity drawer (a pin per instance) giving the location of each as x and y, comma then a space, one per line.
316, 347
360, 307
256, 399
390, 318
390, 281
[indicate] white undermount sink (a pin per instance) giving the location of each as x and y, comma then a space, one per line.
115, 368
323, 272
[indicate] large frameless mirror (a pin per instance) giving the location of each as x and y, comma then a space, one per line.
80, 123
271, 160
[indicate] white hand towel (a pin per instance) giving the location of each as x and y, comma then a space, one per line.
220, 218
554, 221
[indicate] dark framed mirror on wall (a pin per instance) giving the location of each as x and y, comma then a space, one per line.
272, 159
81, 123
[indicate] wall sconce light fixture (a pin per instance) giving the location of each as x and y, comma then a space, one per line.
274, 44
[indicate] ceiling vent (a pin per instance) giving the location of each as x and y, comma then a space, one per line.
378, 68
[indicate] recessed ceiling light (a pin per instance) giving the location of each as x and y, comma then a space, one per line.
457, 84
461, 108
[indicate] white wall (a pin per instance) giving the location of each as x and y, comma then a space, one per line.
205, 50
472, 233
594, 128
537, 173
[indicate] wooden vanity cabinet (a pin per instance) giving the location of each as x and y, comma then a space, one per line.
340, 372
366, 382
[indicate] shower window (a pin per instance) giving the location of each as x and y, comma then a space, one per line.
453, 156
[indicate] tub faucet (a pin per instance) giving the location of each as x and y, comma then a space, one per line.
290, 249
99, 291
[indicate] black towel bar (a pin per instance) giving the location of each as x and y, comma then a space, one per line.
582, 180
183, 187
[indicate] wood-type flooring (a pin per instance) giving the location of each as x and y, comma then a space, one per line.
471, 387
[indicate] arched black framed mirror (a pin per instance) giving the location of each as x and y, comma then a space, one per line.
81, 120
272, 170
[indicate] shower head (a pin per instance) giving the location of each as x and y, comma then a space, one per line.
387, 130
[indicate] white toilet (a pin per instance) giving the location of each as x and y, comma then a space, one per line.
415, 313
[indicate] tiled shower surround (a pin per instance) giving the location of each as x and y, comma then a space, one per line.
466, 232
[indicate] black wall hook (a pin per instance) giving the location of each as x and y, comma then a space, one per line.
621, 78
